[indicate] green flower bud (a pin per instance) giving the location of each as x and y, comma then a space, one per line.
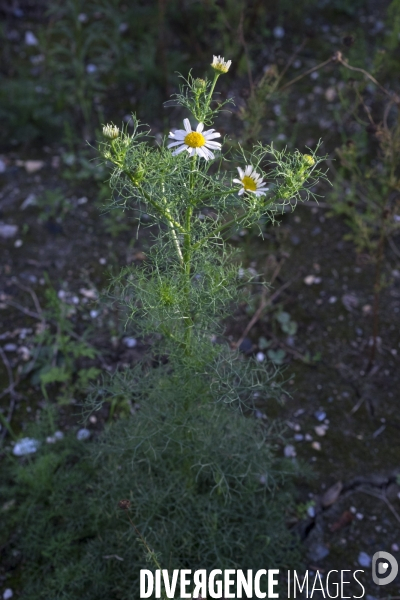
200, 84
308, 159
138, 175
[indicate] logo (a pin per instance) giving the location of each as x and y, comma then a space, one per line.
385, 564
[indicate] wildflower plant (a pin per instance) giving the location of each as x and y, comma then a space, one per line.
188, 189
205, 485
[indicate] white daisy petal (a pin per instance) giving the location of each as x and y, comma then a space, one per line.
174, 144
200, 127
215, 145
236, 181
202, 152
211, 136
248, 170
241, 192
241, 174
186, 124
179, 150
180, 135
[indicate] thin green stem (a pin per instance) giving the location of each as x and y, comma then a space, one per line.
216, 75
165, 212
187, 255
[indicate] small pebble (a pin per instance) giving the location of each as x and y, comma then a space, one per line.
298, 437
94, 314
289, 451
364, 560
310, 279
320, 430
395, 547
260, 356
129, 342
83, 434
52, 439
10, 347
311, 511
30, 39
18, 243
320, 415
7, 594
25, 446
279, 32
359, 516
353, 510
7, 231
316, 446
308, 437
332, 300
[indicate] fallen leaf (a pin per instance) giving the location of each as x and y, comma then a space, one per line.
350, 301
331, 494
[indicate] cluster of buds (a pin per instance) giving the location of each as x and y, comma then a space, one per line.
308, 162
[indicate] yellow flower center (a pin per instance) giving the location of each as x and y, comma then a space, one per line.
194, 139
249, 183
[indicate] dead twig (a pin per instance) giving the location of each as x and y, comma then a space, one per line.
32, 294
26, 311
308, 72
385, 500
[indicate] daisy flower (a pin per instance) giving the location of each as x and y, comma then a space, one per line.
220, 64
251, 181
195, 142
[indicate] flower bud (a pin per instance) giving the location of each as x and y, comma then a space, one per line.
110, 131
200, 84
220, 64
138, 175
308, 159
